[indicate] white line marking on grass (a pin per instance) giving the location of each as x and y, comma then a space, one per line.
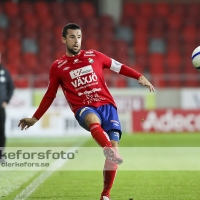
43, 176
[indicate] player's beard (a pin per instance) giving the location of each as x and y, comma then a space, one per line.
71, 51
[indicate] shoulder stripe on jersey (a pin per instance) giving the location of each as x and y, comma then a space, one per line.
115, 65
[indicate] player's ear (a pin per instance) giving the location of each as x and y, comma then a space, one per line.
63, 40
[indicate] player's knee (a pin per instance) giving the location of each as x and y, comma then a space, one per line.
91, 118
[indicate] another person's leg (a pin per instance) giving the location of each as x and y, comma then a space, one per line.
2, 132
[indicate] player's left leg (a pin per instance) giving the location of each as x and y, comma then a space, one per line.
110, 168
111, 125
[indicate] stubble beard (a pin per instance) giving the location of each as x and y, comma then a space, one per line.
71, 51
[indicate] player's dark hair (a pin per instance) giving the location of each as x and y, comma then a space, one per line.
72, 26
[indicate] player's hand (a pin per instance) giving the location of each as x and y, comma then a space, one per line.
143, 81
25, 123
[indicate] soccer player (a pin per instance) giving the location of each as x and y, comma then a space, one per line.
79, 73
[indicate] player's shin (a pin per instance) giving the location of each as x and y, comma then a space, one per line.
100, 135
109, 173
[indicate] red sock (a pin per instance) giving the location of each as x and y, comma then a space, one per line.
109, 174
100, 135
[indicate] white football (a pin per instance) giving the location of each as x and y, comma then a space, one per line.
196, 58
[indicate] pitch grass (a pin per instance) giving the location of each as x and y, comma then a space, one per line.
139, 185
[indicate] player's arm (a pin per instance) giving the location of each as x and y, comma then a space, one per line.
46, 102
125, 70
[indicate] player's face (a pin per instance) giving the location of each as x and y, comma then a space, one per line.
73, 41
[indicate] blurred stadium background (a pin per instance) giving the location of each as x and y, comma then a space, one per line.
154, 37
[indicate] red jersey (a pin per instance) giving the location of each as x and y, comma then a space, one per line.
82, 81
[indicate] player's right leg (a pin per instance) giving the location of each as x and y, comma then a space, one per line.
90, 120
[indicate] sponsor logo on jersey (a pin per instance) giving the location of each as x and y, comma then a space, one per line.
76, 61
89, 53
81, 71
89, 92
80, 81
90, 60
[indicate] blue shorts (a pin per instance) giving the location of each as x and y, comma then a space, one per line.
108, 117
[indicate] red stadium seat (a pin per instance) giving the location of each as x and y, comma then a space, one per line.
141, 62
173, 69
30, 61
13, 43
121, 53
173, 45
21, 82
120, 82
173, 35
40, 83
72, 10
107, 35
92, 24
54, 6
107, 48
190, 72
174, 21
2, 46
41, 6
91, 44
16, 23
178, 8
173, 62
89, 32
26, 7
146, 9
11, 9
156, 62
190, 34
140, 46
142, 23
139, 68
58, 54
188, 48
87, 9
31, 21
156, 68
107, 22
3, 34
126, 21
30, 33
121, 45
162, 9
57, 31
130, 10
193, 10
